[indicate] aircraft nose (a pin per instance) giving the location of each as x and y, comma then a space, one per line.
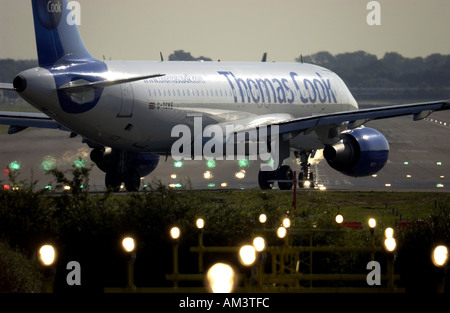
20, 83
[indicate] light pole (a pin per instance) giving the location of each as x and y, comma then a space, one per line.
372, 224
200, 223
175, 234
439, 256
47, 256
221, 278
129, 246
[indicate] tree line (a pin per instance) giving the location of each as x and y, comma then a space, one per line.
367, 76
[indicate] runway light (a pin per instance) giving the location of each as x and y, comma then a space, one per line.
173, 176
307, 184
387, 185
259, 243
128, 244
14, 166
339, 218
372, 223
211, 163
240, 174
175, 233
440, 256
207, 175
200, 223
221, 278
374, 175
178, 164
223, 184
438, 163
67, 188
439, 185
247, 255
47, 255
281, 232
80, 163
244, 163
211, 185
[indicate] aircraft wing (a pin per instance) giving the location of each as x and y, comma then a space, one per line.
357, 118
19, 121
6, 86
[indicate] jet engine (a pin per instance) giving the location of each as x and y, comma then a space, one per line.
360, 152
124, 166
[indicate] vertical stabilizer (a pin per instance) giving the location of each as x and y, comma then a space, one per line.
58, 40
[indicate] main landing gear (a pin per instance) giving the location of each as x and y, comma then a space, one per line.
284, 175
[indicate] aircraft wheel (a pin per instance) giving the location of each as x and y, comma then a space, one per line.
132, 181
263, 179
285, 173
301, 182
113, 181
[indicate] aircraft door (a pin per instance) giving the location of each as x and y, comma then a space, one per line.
126, 110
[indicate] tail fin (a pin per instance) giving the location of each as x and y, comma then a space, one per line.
58, 40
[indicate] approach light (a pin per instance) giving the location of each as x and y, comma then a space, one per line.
286, 222
221, 278
200, 223
389, 232
175, 232
372, 223
281, 232
128, 244
440, 256
339, 218
390, 244
47, 255
262, 218
259, 243
247, 255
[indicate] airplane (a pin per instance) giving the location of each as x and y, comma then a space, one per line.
126, 111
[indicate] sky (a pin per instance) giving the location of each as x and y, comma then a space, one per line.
240, 30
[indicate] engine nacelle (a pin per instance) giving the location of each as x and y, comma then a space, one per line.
361, 152
109, 159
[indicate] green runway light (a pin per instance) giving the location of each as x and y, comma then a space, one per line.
212, 185
14, 166
244, 163
211, 163
48, 163
177, 164
79, 163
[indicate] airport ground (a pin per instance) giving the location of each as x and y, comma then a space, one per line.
414, 183
418, 161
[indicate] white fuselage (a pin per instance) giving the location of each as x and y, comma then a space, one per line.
140, 115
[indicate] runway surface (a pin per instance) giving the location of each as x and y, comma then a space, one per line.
418, 161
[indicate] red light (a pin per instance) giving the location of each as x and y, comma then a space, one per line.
6, 187
6, 171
